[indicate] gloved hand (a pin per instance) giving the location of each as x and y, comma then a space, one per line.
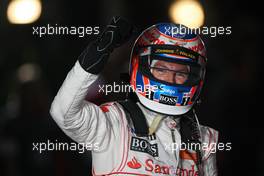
96, 54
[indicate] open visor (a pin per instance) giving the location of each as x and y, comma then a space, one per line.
172, 65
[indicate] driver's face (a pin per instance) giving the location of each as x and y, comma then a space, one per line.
170, 72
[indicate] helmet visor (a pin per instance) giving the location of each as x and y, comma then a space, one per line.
170, 72
172, 65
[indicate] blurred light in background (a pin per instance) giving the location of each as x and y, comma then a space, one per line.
23, 11
28, 72
187, 12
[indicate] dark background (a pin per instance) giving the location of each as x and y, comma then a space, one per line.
230, 102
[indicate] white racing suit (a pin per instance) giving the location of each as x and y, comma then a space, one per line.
116, 149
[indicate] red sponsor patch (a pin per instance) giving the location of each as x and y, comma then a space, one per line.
104, 108
134, 164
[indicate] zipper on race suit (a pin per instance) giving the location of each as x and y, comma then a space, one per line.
176, 138
174, 142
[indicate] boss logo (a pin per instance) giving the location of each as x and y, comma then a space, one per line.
168, 100
142, 145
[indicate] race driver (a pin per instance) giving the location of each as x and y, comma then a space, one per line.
155, 131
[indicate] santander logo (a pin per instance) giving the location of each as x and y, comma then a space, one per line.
150, 166
134, 164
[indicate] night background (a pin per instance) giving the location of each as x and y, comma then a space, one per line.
229, 97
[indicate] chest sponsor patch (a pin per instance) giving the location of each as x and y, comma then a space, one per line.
142, 145
153, 167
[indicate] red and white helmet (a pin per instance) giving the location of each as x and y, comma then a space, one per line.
174, 44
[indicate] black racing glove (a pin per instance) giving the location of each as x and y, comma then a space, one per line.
96, 54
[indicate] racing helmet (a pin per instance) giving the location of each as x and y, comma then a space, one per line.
167, 68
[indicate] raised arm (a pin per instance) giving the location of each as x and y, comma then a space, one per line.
83, 121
